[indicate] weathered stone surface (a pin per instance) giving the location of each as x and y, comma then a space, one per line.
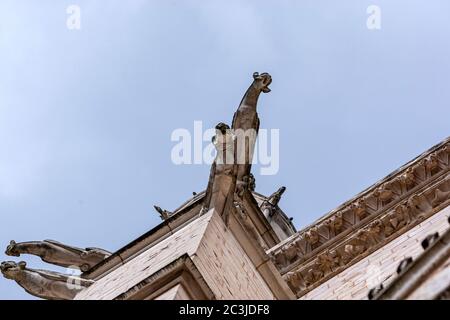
226, 267
230, 174
44, 284
143, 265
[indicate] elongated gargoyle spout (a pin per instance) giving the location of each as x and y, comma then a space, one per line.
246, 115
230, 173
275, 197
44, 284
59, 254
246, 126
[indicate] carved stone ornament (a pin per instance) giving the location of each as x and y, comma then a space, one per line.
44, 284
384, 211
54, 252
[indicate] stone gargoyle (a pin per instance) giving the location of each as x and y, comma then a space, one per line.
232, 176
59, 254
245, 124
44, 284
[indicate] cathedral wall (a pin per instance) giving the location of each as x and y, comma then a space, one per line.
225, 266
356, 281
118, 281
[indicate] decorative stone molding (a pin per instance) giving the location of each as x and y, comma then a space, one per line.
365, 223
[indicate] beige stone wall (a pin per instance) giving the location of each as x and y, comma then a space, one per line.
226, 268
215, 252
118, 281
356, 281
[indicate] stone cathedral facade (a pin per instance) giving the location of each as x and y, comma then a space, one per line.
391, 241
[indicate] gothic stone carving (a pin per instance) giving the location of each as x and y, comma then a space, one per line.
44, 284
312, 236
230, 173
163, 214
396, 188
269, 206
59, 254
381, 230
245, 124
221, 184
335, 224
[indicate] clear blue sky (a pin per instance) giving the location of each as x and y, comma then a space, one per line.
86, 116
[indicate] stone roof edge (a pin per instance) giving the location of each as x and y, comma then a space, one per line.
166, 227
175, 221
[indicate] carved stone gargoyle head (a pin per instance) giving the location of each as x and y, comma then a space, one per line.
262, 81
11, 249
222, 127
11, 270
223, 138
276, 197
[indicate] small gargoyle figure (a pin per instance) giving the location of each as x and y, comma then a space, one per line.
164, 214
44, 284
268, 207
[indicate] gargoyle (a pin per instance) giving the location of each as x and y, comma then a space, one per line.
295, 281
245, 123
230, 171
312, 236
247, 183
44, 284
268, 206
360, 209
59, 254
164, 214
275, 197
328, 261
251, 182
221, 184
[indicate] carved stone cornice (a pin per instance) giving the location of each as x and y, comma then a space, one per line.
371, 219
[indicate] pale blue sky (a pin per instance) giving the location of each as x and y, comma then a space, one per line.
86, 116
